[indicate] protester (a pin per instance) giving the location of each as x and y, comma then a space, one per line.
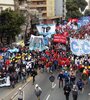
80, 85
20, 94
60, 78
67, 91
12, 80
66, 77
72, 79
33, 74
75, 92
38, 91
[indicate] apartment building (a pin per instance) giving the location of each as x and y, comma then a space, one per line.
47, 8
4, 4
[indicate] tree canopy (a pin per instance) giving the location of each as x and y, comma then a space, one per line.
87, 12
75, 7
10, 22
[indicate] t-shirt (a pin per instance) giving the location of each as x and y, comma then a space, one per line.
38, 91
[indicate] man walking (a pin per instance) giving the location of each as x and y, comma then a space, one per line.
33, 74
67, 90
80, 85
74, 92
20, 94
60, 77
38, 91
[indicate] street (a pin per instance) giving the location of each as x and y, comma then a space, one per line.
47, 93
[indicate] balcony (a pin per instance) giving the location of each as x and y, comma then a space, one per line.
38, 6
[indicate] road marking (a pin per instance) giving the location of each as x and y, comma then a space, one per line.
48, 97
54, 85
23, 86
29, 79
89, 94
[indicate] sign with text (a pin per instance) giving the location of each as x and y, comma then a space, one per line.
46, 29
60, 38
37, 43
79, 47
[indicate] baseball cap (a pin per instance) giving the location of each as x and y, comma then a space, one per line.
36, 85
20, 88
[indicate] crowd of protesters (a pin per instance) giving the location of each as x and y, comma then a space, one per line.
19, 65
22, 64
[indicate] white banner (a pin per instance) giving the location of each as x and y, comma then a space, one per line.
46, 29
80, 47
37, 43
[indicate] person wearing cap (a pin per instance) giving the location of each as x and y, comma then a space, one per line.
38, 91
20, 94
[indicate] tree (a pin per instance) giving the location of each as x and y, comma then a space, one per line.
10, 22
87, 12
73, 8
81, 4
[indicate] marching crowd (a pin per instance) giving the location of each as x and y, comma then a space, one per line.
20, 65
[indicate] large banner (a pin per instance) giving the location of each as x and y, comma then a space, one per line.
79, 47
83, 21
60, 38
46, 29
37, 43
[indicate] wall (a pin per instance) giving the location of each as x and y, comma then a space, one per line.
50, 8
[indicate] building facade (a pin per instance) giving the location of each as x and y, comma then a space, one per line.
48, 8
4, 4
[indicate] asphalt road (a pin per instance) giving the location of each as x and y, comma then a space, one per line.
47, 93
7, 92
